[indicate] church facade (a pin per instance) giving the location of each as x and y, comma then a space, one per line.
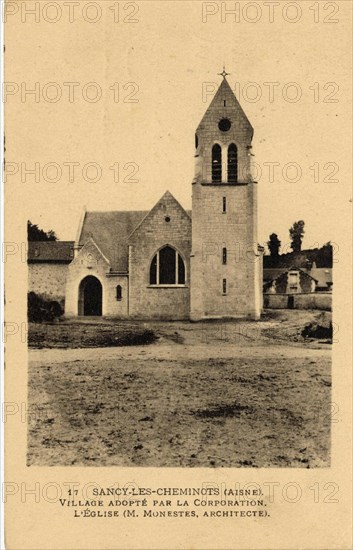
170, 263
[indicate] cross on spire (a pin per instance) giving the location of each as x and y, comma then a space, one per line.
223, 73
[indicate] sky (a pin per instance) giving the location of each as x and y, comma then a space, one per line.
156, 76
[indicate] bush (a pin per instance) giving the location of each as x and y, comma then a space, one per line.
40, 310
321, 327
67, 335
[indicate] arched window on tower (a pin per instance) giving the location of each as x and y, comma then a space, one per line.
167, 267
232, 163
216, 163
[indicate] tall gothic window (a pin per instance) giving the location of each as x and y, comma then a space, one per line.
167, 267
216, 163
232, 163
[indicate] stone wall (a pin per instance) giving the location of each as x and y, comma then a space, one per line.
48, 280
305, 282
232, 288
153, 302
322, 301
225, 105
214, 230
90, 262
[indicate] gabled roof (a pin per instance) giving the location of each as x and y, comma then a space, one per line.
50, 251
90, 246
111, 230
284, 271
270, 274
167, 197
323, 276
225, 92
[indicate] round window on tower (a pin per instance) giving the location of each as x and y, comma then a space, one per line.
224, 124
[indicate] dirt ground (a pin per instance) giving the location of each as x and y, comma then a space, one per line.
213, 394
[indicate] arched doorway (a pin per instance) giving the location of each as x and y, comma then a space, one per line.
90, 296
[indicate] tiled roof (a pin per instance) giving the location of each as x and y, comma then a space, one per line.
110, 231
216, 106
323, 275
50, 251
271, 273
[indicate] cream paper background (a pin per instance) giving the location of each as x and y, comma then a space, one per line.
169, 52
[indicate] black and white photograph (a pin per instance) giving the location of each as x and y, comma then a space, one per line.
216, 348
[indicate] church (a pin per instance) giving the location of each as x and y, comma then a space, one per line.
169, 263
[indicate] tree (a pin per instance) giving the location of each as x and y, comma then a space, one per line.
296, 234
326, 255
34, 233
274, 244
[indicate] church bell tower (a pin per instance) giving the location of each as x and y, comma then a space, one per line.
226, 265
